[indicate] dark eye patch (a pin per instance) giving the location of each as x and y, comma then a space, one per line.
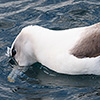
13, 51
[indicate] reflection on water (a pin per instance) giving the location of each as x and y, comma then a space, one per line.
45, 77
40, 83
43, 84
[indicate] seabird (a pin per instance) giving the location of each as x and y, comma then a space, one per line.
74, 51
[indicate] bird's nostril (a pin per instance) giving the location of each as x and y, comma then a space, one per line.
11, 61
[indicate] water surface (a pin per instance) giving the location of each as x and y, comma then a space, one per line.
40, 83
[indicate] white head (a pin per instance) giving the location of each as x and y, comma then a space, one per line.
21, 49
22, 52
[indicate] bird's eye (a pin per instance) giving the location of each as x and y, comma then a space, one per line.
13, 52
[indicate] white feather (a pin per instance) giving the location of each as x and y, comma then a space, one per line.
8, 52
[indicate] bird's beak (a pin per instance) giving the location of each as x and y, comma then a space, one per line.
16, 71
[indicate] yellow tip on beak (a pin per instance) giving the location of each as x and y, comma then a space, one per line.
10, 80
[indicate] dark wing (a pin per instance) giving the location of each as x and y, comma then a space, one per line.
87, 47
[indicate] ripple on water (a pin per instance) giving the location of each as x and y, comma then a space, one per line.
6, 24
39, 82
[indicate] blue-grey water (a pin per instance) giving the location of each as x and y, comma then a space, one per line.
40, 83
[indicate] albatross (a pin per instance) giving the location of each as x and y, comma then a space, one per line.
73, 51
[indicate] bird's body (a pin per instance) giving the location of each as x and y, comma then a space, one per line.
69, 51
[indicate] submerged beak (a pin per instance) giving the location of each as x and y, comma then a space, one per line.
14, 73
